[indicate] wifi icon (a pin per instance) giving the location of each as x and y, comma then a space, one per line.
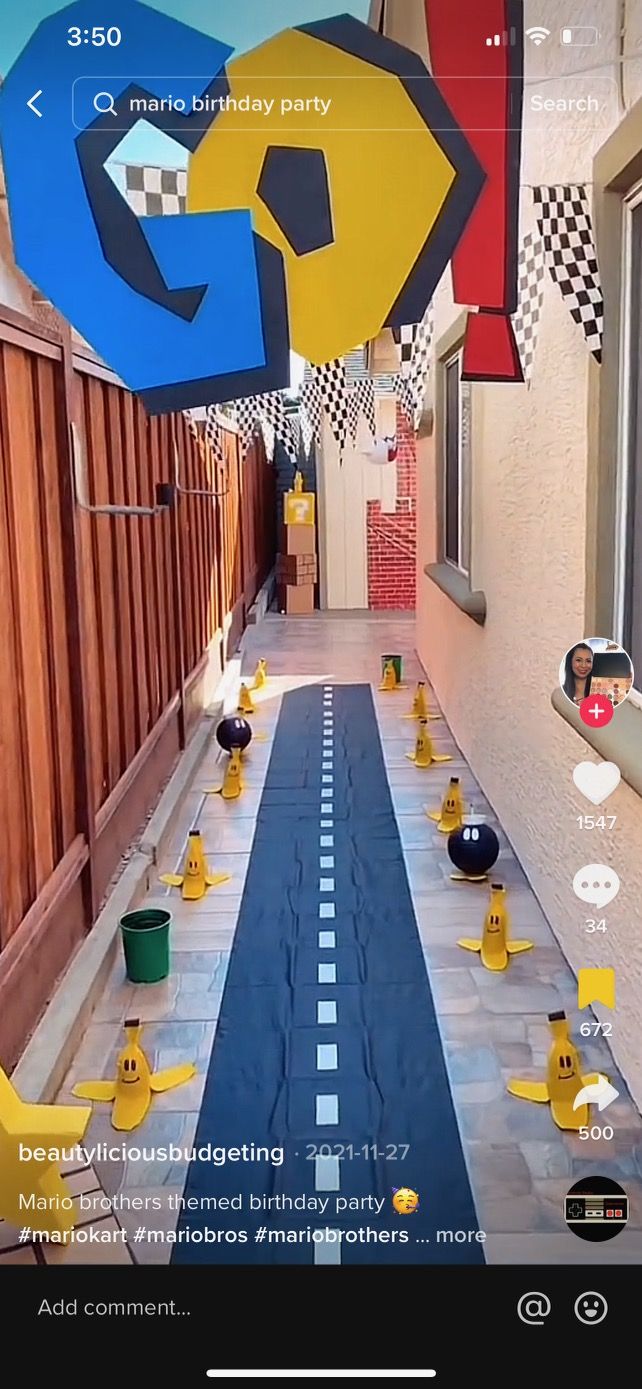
538, 34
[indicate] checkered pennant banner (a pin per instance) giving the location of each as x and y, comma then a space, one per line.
306, 430
274, 424
405, 397
407, 334
246, 412
353, 413
293, 421
564, 221
330, 378
417, 374
214, 434
155, 192
364, 389
531, 278
191, 423
310, 411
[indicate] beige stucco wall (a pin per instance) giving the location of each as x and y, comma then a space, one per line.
529, 480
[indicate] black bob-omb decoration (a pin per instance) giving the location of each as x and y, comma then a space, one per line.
233, 732
473, 849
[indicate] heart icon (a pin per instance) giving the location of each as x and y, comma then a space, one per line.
596, 780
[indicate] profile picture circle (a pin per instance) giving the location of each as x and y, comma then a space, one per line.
596, 1209
596, 666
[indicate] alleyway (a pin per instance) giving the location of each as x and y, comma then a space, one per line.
330, 1028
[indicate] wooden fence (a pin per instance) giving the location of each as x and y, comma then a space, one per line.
113, 628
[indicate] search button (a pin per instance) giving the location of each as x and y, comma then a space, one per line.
99, 103
533, 1308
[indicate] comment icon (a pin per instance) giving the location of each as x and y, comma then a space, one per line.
596, 884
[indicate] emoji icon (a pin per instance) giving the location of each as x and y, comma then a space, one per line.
591, 1308
602, 1093
596, 780
596, 884
404, 1200
596, 986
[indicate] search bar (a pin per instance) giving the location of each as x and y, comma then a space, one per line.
118, 102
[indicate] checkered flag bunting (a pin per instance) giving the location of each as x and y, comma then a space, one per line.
310, 410
191, 423
214, 433
330, 378
407, 334
366, 402
246, 412
353, 413
531, 278
417, 374
155, 192
275, 424
564, 221
405, 397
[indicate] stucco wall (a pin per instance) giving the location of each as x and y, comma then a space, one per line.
529, 480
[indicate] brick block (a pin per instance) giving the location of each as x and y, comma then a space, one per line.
298, 540
296, 600
296, 570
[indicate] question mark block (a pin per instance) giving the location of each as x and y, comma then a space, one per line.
298, 508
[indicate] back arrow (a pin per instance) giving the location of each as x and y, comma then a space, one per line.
31, 100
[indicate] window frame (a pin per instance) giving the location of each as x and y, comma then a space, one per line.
456, 355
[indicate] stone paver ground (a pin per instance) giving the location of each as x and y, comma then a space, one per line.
492, 1026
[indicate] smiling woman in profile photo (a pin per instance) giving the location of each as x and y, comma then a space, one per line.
577, 672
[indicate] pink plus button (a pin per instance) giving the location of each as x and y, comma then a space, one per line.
596, 711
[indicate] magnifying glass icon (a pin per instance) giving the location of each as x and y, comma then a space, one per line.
104, 102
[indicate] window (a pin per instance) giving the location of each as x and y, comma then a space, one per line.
456, 454
628, 584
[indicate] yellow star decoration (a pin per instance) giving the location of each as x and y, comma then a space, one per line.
32, 1190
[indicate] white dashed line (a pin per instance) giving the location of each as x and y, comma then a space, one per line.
327, 825
328, 1250
326, 1010
327, 910
327, 1109
326, 1174
327, 808
326, 884
327, 1056
326, 861
327, 941
326, 841
327, 779
327, 974
327, 766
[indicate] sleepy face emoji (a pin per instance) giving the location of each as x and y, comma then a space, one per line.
404, 1200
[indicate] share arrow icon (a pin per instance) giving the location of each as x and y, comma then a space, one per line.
601, 1093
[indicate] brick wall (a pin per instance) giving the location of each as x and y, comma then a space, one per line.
392, 539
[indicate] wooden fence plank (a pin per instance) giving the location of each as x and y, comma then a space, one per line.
33, 679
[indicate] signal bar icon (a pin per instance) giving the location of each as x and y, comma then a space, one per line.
505, 40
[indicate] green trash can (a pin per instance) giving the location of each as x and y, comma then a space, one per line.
145, 936
397, 662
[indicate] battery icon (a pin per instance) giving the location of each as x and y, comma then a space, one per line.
580, 36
